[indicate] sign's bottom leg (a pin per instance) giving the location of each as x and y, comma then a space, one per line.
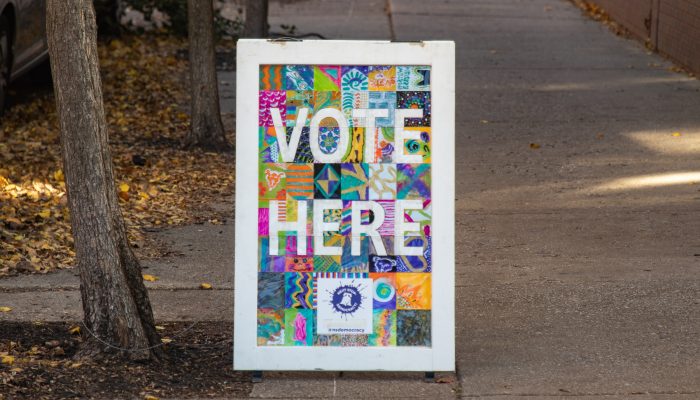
257, 376
429, 377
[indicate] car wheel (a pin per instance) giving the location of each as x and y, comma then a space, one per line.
4, 61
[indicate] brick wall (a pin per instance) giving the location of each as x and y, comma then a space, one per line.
679, 31
635, 15
671, 26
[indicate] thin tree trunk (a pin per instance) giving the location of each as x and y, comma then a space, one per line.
115, 302
256, 19
206, 129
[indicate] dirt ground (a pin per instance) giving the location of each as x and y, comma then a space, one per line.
44, 365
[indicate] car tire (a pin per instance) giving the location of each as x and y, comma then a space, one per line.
5, 59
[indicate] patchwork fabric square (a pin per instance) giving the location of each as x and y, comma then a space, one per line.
356, 148
299, 77
354, 79
420, 100
295, 101
300, 181
419, 146
413, 291
420, 263
354, 181
269, 99
384, 328
272, 77
413, 328
270, 290
270, 327
272, 181
352, 100
384, 100
383, 141
327, 263
298, 290
423, 217
299, 264
269, 149
413, 78
382, 181
327, 78
328, 139
382, 263
355, 263
381, 78
362, 174
303, 153
326, 181
413, 181
384, 290
388, 243
327, 99
387, 226
298, 327
267, 262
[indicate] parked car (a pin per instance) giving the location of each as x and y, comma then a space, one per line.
22, 39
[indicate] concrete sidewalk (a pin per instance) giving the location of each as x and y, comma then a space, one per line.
577, 260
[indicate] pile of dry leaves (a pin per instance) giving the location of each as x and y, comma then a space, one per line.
145, 93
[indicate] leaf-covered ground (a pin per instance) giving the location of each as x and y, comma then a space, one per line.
146, 101
36, 362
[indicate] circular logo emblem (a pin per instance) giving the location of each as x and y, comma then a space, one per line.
346, 299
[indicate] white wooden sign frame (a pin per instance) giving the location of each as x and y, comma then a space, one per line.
440, 56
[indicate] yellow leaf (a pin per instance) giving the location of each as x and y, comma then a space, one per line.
9, 360
58, 175
76, 365
166, 340
5, 309
123, 187
149, 397
160, 328
534, 146
205, 286
45, 213
676, 134
74, 330
150, 278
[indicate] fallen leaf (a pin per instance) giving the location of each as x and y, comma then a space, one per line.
534, 146
166, 340
149, 278
45, 213
76, 365
75, 330
676, 134
123, 187
149, 397
160, 328
5, 309
205, 286
8, 360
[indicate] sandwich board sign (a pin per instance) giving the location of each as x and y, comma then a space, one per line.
344, 206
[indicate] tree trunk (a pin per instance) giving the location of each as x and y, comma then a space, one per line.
115, 302
256, 19
206, 129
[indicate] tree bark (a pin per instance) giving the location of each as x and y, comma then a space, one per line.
256, 19
115, 301
206, 129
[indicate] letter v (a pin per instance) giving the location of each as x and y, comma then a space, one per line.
288, 150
